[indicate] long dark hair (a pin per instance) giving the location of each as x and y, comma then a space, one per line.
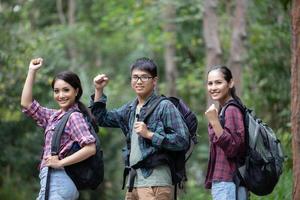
72, 79
228, 77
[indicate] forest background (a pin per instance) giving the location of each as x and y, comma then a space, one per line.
91, 37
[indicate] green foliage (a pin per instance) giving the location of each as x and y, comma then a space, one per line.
107, 37
14, 188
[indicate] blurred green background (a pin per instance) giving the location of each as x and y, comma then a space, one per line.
97, 36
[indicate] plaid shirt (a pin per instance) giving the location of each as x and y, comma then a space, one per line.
170, 131
225, 150
76, 129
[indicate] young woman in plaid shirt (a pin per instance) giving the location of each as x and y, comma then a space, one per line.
226, 144
67, 91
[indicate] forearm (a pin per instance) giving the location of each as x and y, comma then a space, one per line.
98, 94
84, 153
231, 145
173, 135
100, 81
173, 140
232, 137
104, 117
26, 98
216, 125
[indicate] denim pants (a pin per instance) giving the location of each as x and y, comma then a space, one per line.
226, 191
61, 186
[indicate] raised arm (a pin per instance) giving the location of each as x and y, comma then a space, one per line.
26, 98
100, 81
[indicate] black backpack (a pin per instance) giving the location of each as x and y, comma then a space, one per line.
264, 159
175, 160
87, 174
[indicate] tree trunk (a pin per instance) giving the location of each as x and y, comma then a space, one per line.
71, 43
295, 94
211, 37
60, 11
237, 49
169, 14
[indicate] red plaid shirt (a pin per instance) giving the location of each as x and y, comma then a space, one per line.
225, 149
76, 129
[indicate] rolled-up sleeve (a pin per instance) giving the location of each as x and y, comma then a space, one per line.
105, 118
232, 140
157, 139
174, 134
38, 113
79, 129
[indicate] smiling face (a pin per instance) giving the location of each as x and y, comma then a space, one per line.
218, 88
142, 83
64, 94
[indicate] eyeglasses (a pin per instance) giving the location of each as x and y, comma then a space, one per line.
142, 78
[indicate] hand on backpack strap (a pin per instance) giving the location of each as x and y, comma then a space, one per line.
141, 129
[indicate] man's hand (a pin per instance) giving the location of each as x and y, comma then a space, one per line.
100, 81
141, 129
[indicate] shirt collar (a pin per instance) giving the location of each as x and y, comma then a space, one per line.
61, 112
134, 103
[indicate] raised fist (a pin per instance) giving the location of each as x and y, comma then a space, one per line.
100, 81
36, 63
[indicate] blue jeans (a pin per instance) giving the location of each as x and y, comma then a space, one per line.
61, 186
226, 191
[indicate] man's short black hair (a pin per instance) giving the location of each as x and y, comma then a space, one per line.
145, 64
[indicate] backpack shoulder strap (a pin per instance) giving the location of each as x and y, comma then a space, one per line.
59, 129
232, 102
153, 107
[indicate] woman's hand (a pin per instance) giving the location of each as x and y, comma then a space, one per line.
212, 113
35, 63
54, 162
80, 155
212, 116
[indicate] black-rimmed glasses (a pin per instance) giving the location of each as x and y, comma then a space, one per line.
142, 78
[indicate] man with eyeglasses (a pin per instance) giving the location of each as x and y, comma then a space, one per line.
165, 131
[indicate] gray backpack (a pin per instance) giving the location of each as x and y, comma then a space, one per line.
263, 162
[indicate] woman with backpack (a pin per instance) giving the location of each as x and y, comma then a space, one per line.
67, 91
227, 141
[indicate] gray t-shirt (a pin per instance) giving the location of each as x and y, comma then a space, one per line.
161, 175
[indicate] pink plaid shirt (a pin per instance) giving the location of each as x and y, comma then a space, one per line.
76, 129
225, 149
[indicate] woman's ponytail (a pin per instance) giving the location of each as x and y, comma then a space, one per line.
87, 113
